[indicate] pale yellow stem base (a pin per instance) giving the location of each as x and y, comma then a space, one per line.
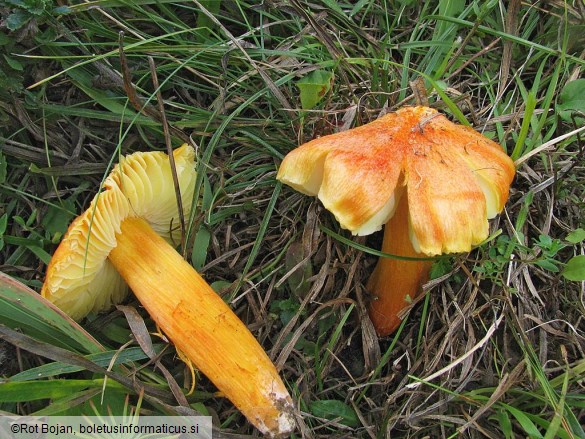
203, 327
395, 283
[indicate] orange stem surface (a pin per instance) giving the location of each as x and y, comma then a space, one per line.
394, 282
203, 327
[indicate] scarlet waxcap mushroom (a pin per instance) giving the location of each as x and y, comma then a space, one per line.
123, 238
443, 180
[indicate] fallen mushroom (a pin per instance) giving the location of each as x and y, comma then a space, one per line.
120, 238
433, 183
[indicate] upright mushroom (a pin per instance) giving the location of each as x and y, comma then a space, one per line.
433, 183
125, 236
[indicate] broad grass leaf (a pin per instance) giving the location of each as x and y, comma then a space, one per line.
314, 87
548, 264
14, 63
200, 246
572, 101
203, 235
576, 236
23, 309
103, 359
575, 269
505, 424
57, 218
525, 422
335, 409
45, 389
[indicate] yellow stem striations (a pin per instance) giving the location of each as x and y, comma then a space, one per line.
395, 282
203, 327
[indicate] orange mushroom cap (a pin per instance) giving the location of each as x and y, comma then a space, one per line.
80, 279
454, 178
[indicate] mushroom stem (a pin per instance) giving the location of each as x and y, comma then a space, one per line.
202, 326
396, 282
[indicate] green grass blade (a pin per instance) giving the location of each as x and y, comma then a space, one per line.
22, 308
515, 39
260, 237
552, 430
103, 359
49, 389
524, 420
529, 111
